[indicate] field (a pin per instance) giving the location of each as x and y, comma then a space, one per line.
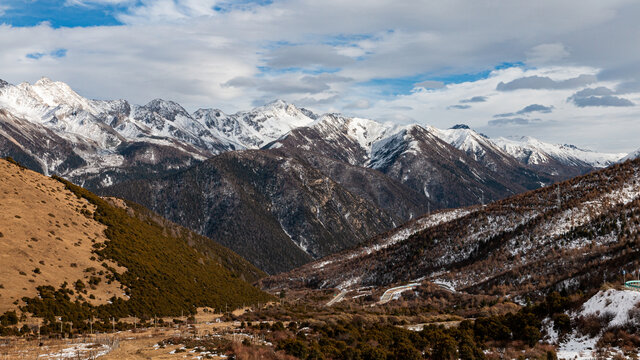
132, 344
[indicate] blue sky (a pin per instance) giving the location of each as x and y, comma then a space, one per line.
401, 61
60, 14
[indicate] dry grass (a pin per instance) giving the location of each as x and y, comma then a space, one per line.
46, 239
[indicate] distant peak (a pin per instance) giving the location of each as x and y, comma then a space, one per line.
460, 126
3, 83
573, 147
210, 112
44, 81
279, 103
161, 102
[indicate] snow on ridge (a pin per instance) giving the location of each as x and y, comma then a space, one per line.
401, 234
534, 151
616, 302
255, 128
631, 156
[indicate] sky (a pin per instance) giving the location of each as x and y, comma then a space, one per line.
560, 71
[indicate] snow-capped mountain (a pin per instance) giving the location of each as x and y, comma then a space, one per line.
476, 145
455, 166
116, 135
343, 138
524, 159
254, 129
631, 156
532, 151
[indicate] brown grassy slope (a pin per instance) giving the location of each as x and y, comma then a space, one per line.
43, 228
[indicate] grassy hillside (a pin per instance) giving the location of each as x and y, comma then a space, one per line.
159, 267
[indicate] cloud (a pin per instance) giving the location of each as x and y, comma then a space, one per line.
535, 108
526, 110
475, 99
543, 82
156, 11
311, 101
460, 107
360, 104
513, 121
627, 87
602, 101
306, 56
430, 84
599, 91
292, 84
600, 96
97, 2
547, 53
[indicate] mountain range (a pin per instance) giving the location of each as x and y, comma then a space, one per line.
565, 237
277, 180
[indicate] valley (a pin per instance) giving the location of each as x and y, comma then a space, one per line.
147, 231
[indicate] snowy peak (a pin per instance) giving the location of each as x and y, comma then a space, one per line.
276, 104
532, 151
413, 140
166, 109
255, 128
363, 132
56, 93
631, 156
464, 138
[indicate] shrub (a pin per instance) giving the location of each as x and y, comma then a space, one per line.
9, 318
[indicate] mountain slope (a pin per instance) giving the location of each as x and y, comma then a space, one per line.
275, 210
486, 152
574, 235
119, 258
631, 156
414, 157
418, 158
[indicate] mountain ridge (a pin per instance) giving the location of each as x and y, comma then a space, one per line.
381, 174
567, 236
